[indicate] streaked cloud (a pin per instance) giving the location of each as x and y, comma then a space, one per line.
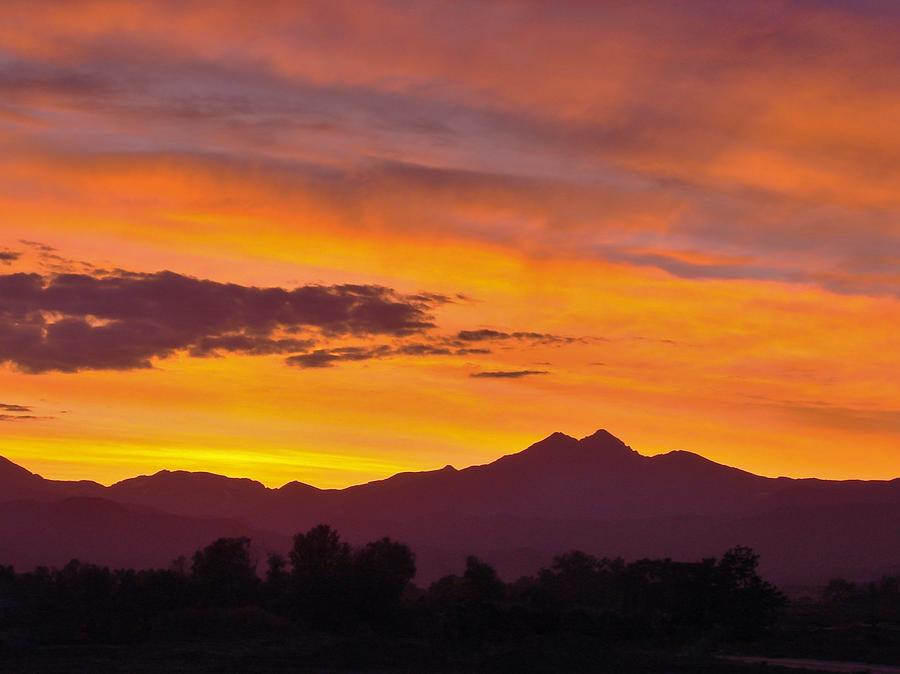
789, 162
15, 412
507, 374
9, 407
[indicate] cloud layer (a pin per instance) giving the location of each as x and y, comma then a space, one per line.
122, 320
727, 141
72, 322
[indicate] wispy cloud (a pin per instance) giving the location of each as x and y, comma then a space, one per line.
8, 407
507, 374
16, 412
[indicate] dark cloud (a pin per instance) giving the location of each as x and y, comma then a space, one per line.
250, 344
14, 412
424, 350
507, 374
122, 320
21, 417
8, 407
37, 245
480, 335
71, 322
8, 256
485, 335
328, 357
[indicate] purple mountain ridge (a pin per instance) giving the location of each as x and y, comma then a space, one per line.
595, 494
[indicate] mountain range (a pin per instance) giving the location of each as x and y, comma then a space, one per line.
561, 493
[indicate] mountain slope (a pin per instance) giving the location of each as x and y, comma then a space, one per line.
108, 533
19, 483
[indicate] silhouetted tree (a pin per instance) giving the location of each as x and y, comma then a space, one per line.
577, 579
224, 573
381, 571
480, 582
320, 577
278, 582
318, 552
466, 608
748, 605
330, 586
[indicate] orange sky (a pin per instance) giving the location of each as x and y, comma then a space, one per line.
689, 213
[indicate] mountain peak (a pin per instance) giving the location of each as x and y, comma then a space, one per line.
553, 441
604, 443
542, 450
601, 434
603, 438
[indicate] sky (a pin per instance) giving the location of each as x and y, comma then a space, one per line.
331, 241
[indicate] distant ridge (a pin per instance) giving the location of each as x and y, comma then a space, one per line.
561, 492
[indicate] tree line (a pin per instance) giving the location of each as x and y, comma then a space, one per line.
326, 585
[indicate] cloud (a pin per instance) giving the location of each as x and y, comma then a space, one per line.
8, 256
424, 350
397, 127
484, 335
14, 412
8, 407
22, 417
72, 322
121, 320
255, 345
37, 245
321, 358
507, 374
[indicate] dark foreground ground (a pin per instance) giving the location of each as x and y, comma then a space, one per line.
358, 656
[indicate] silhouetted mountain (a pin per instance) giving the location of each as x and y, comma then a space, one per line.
195, 494
18, 483
595, 493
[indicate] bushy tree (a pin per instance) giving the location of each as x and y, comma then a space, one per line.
320, 578
747, 604
381, 572
278, 583
224, 573
467, 608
